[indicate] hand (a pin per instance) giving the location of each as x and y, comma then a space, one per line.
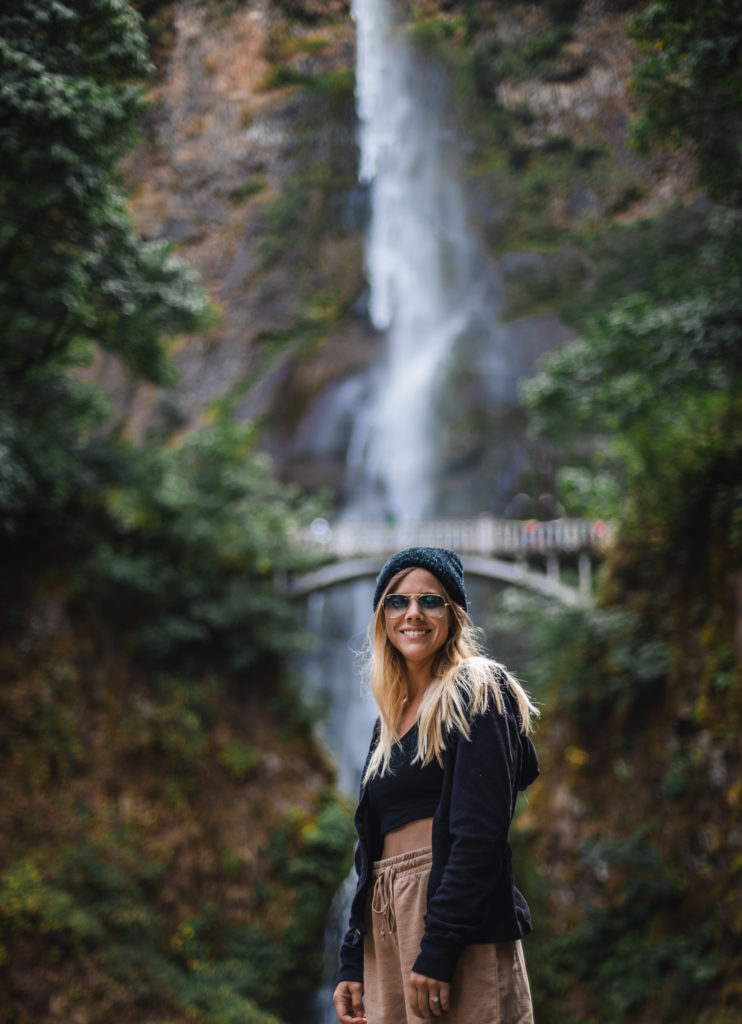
428, 998
348, 1000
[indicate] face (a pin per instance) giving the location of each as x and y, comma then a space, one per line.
418, 635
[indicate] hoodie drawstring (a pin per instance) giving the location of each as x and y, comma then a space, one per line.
382, 901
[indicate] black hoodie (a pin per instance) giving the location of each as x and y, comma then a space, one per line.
472, 896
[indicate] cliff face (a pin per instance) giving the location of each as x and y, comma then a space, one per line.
249, 166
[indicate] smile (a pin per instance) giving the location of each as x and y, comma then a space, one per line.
415, 632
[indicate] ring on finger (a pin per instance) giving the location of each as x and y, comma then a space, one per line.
435, 999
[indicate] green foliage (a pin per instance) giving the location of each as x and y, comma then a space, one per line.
32, 904
197, 537
171, 732
76, 278
42, 727
307, 208
74, 272
594, 495
691, 81
99, 902
627, 951
434, 30
310, 855
252, 187
284, 220
538, 189
660, 383
330, 82
87, 890
284, 75
613, 670
239, 759
173, 546
178, 545
650, 257
530, 55
300, 11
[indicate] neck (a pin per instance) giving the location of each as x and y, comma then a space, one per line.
418, 680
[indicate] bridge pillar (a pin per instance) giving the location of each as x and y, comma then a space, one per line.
585, 570
552, 568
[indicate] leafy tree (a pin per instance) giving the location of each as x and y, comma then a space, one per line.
75, 276
177, 544
196, 539
660, 385
691, 81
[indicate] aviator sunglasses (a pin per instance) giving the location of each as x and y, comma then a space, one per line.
430, 604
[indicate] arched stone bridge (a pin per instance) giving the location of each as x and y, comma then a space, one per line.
526, 553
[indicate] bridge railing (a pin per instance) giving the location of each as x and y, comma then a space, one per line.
485, 535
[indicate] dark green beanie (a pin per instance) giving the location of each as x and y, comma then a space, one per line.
443, 564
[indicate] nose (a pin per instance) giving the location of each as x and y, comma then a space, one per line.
414, 610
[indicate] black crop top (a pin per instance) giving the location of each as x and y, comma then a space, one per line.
407, 792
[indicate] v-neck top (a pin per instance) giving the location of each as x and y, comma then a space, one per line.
408, 790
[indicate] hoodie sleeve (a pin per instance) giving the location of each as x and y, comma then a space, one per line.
489, 769
351, 950
529, 769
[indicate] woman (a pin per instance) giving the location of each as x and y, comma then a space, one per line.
436, 920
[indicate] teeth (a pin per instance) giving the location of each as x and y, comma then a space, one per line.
414, 632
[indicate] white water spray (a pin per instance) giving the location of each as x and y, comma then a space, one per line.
429, 282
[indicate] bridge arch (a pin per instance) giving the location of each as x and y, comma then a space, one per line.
516, 573
522, 553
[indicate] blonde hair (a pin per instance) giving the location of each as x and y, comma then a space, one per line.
464, 681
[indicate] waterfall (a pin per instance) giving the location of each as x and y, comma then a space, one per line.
430, 283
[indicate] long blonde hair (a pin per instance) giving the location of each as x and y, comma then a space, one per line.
464, 680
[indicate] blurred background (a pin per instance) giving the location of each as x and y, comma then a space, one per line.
286, 284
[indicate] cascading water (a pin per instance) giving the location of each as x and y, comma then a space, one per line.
430, 283
432, 290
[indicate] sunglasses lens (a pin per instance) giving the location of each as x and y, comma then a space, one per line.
395, 604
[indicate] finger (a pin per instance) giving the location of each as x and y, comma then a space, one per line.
418, 1002
348, 997
435, 1004
356, 998
445, 994
350, 1017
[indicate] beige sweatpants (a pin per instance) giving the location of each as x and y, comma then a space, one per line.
490, 985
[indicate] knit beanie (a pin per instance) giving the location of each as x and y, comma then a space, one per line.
444, 565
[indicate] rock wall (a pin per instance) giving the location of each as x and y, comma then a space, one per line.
249, 166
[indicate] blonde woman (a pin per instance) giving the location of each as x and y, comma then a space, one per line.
436, 920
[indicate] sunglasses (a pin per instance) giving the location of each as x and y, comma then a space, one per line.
430, 604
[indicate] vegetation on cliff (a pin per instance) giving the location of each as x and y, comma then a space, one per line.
642, 747
637, 830
170, 839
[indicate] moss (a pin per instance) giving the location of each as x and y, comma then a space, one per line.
283, 75
252, 187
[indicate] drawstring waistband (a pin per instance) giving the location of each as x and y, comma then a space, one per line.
385, 872
382, 902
